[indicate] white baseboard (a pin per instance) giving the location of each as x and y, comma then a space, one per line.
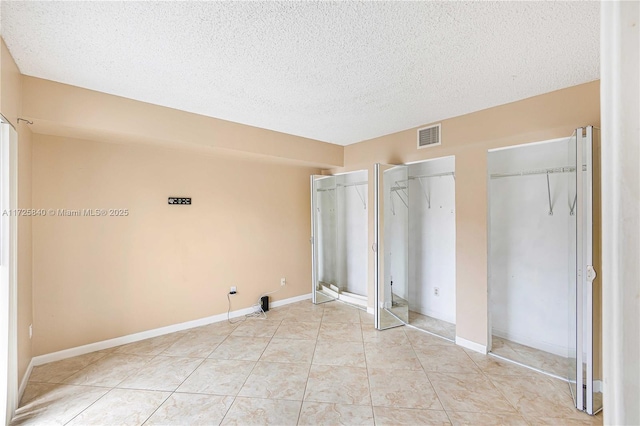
471, 345
290, 300
25, 380
130, 338
371, 310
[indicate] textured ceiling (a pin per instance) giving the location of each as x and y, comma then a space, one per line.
340, 72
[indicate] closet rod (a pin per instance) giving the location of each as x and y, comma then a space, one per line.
345, 185
566, 169
342, 185
398, 188
427, 177
433, 175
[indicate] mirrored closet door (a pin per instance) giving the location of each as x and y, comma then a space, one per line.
585, 291
340, 237
391, 218
323, 237
416, 246
544, 297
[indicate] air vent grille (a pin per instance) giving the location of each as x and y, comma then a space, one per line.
429, 136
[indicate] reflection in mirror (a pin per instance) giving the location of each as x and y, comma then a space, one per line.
417, 240
390, 244
395, 247
340, 216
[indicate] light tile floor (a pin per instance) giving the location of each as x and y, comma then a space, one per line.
433, 325
532, 357
304, 364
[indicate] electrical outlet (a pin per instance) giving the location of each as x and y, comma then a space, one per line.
30, 331
234, 289
436, 291
283, 281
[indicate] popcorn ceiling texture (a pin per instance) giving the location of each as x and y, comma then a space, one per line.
339, 72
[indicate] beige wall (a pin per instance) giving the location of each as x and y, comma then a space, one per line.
468, 137
248, 227
63, 110
10, 104
10, 86
100, 278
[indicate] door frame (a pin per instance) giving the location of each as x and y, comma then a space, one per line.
8, 269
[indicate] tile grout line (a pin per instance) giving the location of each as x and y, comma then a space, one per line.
252, 368
158, 407
89, 406
438, 395
83, 368
119, 383
488, 378
366, 366
110, 390
428, 378
171, 393
304, 392
185, 379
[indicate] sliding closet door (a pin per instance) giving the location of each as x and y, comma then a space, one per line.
391, 245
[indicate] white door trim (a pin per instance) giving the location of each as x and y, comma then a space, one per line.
8, 270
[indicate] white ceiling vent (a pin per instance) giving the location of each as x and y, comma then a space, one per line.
429, 136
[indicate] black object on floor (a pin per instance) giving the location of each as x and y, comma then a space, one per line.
264, 300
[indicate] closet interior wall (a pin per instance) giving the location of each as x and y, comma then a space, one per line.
432, 240
352, 232
532, 258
